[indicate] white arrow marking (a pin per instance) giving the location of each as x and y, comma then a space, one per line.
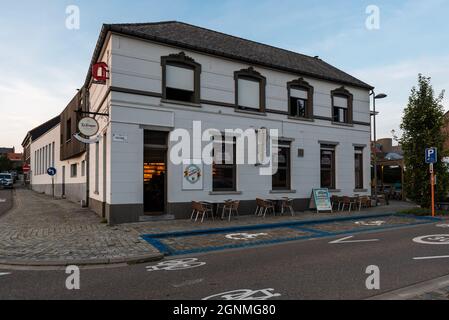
428, 258
344, 240
2, 200
4, 273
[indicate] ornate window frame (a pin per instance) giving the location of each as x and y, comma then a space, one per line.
300, 83
343, 92
251, 74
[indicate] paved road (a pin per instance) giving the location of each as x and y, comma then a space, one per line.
5, 200
309, 269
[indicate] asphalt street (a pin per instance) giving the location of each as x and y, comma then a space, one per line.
307, 269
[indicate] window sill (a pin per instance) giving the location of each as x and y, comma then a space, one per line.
257, 113
360, 190
343, 124
282, 191
220, 193
334, 190
182, 103
301, 119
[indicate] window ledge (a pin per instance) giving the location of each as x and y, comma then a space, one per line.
257, 113
219, 193
360, 190
301, 119
282, 191
334, 190
182, 103
343, 124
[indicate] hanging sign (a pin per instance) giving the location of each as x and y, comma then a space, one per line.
320, 200
100, 73
84, 140
88, 126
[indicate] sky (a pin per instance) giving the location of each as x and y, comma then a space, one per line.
42, 62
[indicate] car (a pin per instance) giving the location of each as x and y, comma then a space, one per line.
6, 180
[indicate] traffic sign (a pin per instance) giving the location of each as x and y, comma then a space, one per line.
51, 171
431, 155
26, 168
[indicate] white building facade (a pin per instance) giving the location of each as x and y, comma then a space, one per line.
166, 76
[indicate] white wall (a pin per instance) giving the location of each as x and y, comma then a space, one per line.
136, 65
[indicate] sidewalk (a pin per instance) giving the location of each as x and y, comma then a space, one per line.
41, 231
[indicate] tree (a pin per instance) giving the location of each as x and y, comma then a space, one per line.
5, 164
422, 126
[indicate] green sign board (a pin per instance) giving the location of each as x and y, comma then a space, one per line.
321, 200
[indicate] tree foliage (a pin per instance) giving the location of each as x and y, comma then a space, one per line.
422, 126
5, 164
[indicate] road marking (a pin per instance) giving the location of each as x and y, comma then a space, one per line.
187, 283
245, 236
429, 258
2, 200
175, 265
345, 240
4, 273
245, 294
433, 239
370, 223
443, 225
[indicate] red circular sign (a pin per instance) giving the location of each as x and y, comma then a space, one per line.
26, 168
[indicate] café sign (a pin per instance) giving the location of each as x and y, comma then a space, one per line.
88, 126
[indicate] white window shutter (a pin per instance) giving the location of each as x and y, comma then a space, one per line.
341, 102
249, 93
300, 94
179, 78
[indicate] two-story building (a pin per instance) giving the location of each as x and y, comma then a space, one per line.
164, 76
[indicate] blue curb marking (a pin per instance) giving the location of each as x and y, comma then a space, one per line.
155, 239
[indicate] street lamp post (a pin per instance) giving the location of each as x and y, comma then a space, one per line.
375, 97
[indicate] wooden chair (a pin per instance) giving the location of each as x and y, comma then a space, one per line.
200, 208
364, 202
263, 206
348, 201
230, 207
287, 203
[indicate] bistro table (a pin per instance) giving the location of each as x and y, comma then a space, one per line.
216, 206
277, 203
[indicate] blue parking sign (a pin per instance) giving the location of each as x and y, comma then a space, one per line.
431, 155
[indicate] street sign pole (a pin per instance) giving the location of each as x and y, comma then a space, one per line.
53, 186
432, 188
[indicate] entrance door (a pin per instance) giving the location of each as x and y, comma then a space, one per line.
155, 172
63, 181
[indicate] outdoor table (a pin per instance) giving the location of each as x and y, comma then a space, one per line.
216, 205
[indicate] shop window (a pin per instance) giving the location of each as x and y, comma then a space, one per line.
224, 167
358, 167
281, 179
327, 164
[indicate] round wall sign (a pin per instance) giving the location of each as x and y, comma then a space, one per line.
88, 126
192, 173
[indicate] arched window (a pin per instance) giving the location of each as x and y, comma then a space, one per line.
250, 90
180, 78
342, 106
300, 99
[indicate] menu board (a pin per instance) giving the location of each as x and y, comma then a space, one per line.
321, 200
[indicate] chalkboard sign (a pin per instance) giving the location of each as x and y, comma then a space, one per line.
320, 200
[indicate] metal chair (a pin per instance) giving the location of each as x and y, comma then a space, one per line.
287, 203
263, 206
200, 208
231, 206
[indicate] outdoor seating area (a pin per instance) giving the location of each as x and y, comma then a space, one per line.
226, 209
354, 203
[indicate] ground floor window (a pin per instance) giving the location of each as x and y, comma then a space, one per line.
224, 168
358, 167
281, 179
73, 170
327, 166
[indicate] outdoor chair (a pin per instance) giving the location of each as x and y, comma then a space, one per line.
287, 203
263, 206
364, 202
199, 208
348, 201
231, 207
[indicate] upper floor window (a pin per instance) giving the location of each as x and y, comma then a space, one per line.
180, 78
250, 90
300, 95
341, 106
68, 130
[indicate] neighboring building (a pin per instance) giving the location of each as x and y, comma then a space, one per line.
164, 76
16, 160
4, 151
52, 145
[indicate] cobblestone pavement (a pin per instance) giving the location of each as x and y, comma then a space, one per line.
5, 200
39, 230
